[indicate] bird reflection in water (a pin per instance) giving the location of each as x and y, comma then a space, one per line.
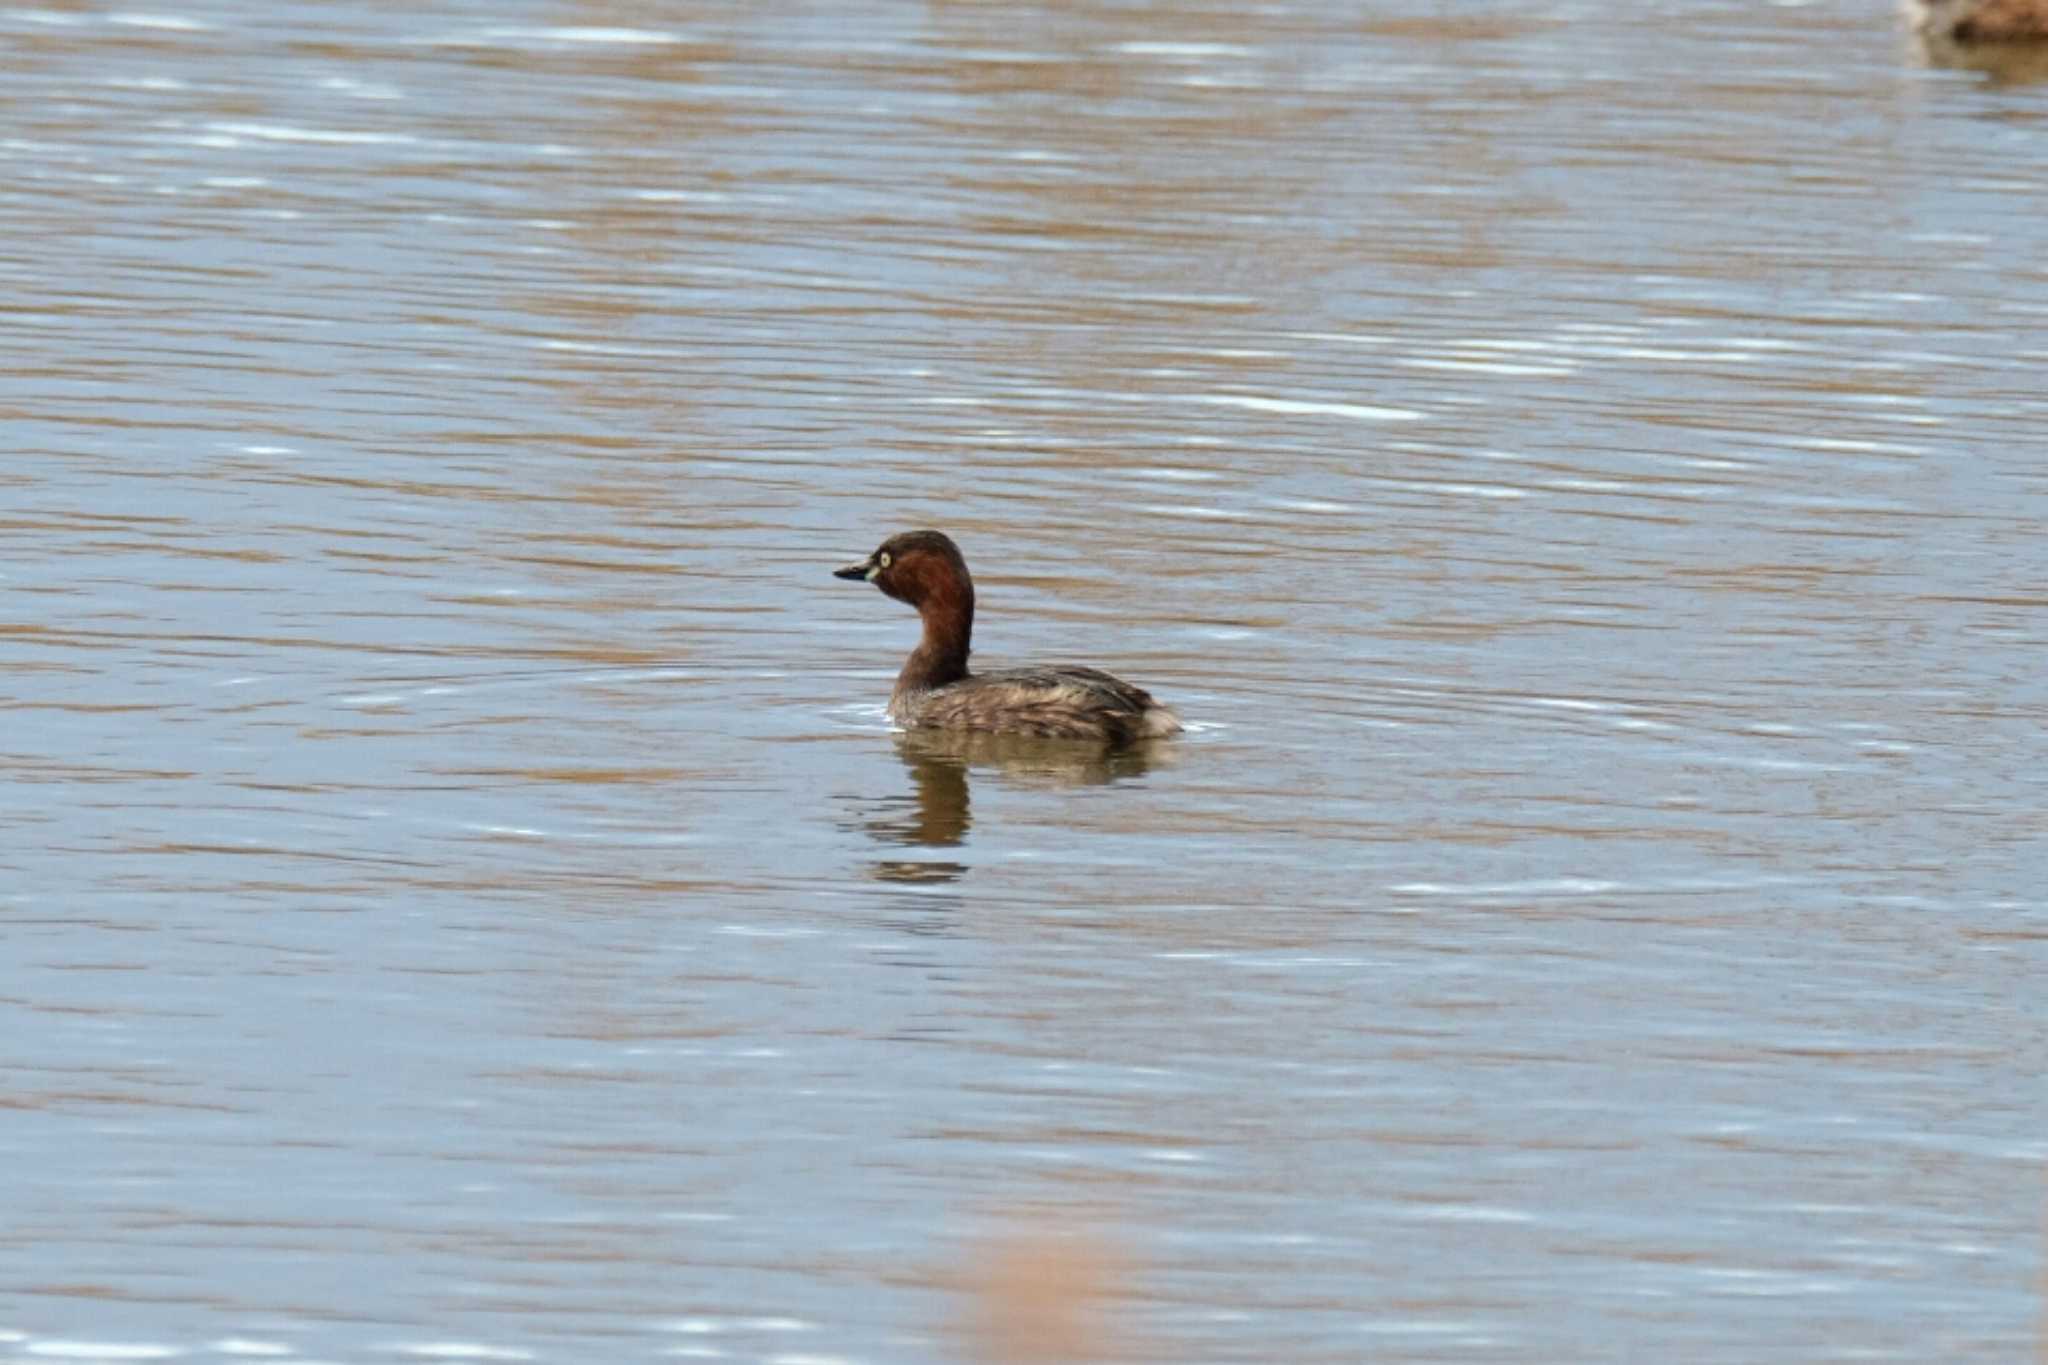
935, 813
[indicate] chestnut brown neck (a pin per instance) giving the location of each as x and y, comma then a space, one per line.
947, 610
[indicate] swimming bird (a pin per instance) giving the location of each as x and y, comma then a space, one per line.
935, 691
1981, 21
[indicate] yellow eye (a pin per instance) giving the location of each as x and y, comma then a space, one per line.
883, 559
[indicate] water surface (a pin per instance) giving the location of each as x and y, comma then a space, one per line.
1580, 481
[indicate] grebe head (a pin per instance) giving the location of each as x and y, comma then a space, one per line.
918, 567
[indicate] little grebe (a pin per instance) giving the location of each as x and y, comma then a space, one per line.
936, 692
1981, 21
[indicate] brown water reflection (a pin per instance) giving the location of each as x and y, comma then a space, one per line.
2007, 63
936, 812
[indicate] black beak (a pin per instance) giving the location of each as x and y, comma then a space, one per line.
860, 570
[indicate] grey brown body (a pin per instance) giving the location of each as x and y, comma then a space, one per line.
936, 691
1982, 21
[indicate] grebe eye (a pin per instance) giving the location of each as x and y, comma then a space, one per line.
883, 559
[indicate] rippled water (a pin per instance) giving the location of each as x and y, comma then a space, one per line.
1581, 480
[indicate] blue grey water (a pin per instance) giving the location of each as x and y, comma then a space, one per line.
1580, 475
